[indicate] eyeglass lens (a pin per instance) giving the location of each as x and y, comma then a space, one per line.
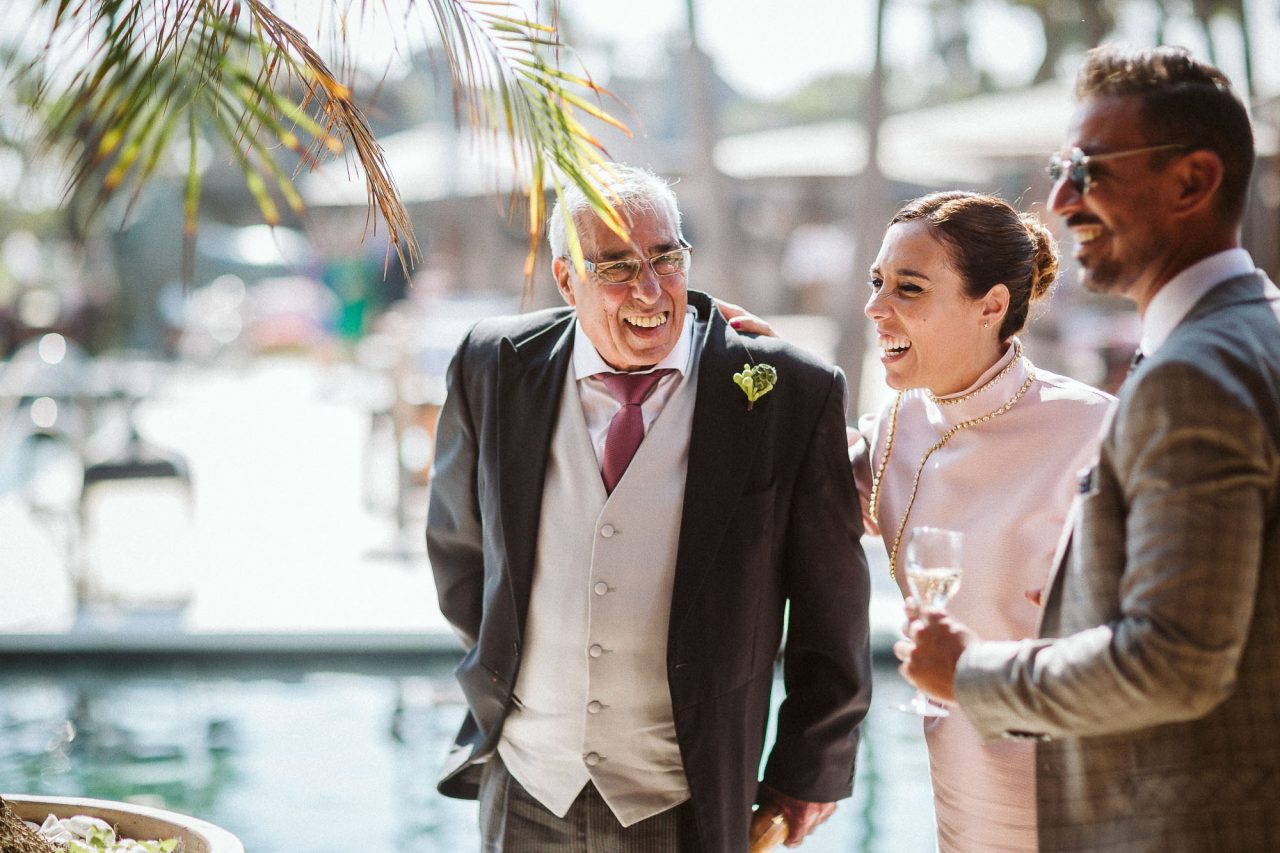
621, 272
1076, 169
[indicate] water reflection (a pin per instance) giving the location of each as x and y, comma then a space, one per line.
320, 759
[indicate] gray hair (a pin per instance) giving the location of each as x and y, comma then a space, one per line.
630, 189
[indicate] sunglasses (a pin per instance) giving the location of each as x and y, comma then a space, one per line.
1077, 167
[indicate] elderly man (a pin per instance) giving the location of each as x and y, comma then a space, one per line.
616, 528
1155, 691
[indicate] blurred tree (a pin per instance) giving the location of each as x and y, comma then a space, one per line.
1088, 23
1066, 26
1205, 11
116, 82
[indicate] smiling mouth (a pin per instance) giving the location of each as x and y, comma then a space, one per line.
652, 321
1086, 234
894, 347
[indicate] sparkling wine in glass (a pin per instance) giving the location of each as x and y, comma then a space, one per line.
933, 574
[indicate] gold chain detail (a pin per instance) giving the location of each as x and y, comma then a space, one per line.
949, 401
874, 502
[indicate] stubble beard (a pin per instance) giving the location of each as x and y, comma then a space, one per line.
1118, 277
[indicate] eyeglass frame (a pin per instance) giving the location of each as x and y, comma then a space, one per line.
1078, 160
593, 266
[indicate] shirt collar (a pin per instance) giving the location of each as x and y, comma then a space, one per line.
1176, 299
587, 360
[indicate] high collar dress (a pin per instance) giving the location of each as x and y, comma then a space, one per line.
1008, 484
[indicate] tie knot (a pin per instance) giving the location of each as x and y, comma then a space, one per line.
632, 388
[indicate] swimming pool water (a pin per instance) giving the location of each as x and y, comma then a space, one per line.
317, 758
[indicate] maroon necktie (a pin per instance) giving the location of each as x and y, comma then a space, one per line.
626, 430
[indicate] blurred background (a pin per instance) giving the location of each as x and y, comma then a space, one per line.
214, 593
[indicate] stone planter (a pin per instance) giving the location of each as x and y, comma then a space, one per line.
138, 822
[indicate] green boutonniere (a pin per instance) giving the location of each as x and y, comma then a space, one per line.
756, 381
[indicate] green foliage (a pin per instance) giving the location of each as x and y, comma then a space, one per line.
104, 841
146, 72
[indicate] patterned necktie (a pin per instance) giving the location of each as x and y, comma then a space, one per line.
626, 430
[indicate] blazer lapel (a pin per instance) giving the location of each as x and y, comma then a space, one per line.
723, 434
1245, 288
531, 377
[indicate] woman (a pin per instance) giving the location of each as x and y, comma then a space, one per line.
978, 440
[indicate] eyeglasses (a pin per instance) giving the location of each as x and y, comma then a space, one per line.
623, 272
1077, 169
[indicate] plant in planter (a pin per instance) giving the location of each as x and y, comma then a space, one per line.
154, 828
16, 836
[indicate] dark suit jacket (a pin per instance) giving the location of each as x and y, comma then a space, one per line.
770, 518
1162, 700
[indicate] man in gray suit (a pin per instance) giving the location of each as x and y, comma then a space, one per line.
1155, 689
621, 614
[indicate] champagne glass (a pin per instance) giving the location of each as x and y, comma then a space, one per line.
933, 574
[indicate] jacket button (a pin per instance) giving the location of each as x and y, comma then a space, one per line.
596, 651
601, 588
607, 531
594, 707
593, 758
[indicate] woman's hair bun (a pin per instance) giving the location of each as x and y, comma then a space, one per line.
1044, 260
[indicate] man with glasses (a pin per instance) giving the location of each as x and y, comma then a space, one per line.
1155, 689
616, 530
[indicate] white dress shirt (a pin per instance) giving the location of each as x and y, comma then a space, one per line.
1180, 294
599, 406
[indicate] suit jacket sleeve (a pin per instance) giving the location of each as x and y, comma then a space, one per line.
454, 532
1194, 471
826, 662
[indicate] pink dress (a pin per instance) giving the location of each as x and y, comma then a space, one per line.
1007, 484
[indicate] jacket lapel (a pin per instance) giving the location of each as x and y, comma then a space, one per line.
1245, 288
531, 377
1241, 289
723, 434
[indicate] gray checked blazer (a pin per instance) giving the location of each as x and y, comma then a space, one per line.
1158, 709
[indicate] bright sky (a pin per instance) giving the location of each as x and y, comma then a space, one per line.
766, 49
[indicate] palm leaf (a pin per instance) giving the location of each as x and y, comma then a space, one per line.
237, 69
513, 83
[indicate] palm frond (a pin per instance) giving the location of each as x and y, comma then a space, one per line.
238, 70
509, 80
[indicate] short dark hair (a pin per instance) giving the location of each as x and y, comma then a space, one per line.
1184, 100
991, 243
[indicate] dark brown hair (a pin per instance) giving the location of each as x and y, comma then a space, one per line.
990, 243
1183, 101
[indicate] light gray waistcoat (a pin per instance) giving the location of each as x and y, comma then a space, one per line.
592, 696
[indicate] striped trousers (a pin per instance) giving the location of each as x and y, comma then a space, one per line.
512, 821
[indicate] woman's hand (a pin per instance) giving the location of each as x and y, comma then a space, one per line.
743, 320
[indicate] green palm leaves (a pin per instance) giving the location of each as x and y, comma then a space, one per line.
148, 72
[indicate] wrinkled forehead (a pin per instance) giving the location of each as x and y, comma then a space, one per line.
650, 228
